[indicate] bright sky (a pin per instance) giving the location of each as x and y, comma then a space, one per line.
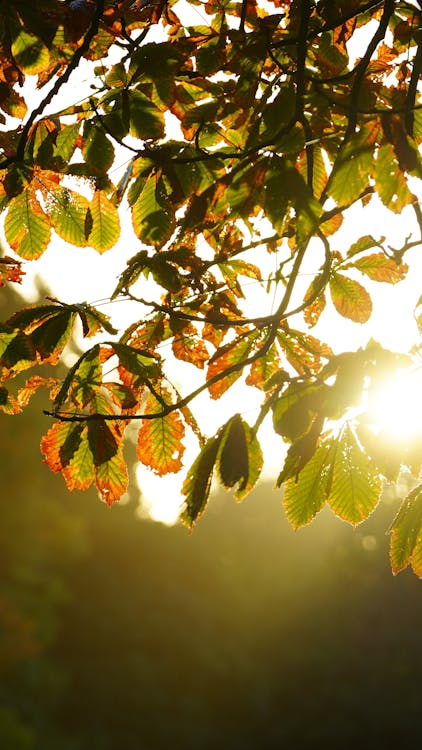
80, 274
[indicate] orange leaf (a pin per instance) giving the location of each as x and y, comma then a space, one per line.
229, 356
189, 347
350, 298
159, 440
111, 478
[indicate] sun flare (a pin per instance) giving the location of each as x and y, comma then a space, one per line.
396, 408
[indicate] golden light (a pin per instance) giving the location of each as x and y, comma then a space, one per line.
396, 408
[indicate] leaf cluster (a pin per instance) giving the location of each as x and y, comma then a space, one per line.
241, 119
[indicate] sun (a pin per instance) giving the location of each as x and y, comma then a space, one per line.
396, 407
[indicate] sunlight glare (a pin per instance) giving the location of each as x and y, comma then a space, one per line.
397, 407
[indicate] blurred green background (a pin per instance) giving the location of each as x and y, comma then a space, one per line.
122, 634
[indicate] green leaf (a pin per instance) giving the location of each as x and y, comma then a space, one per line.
66, 142
29, 53
51, 336
97, 149
350, 176
305, 495
152, 217
17, 351
363, 243
93, 320
350, 298
49, 326
133, 114
390, 182
105, 230
295, 410
406, 534
68, 214
355, 484
82, 380
197, 484
26, 227
239, 457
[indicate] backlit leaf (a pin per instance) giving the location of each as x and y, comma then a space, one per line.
305, 495
380, 268
160, 444
153, 221
189, 347
68, 214
29, 52
97, 148
105, 222
111, 478
406, 534
26, 226
49, 326
390, 181
355, 484
350, 176
227, 357
197, 484
350, 298
240, 457
314, 309
17, 352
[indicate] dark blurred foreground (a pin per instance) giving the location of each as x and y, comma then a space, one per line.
121, 634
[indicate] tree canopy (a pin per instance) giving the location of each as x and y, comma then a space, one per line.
250, 131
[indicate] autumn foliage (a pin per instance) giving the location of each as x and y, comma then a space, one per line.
249, 133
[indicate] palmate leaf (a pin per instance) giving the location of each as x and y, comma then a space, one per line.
160, 444
27, 227
355, 483
82, 381
105, 222
350, 298
132, 113
406, 534
49, 326
85, 453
